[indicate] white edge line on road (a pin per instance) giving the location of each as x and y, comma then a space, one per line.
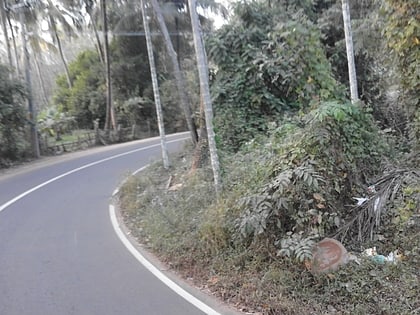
155, 271
117, 190
172, 285
12, 201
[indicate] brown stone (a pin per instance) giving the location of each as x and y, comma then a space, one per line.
328, 255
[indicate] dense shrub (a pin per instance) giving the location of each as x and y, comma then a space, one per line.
267, 61
12, 118
313, 167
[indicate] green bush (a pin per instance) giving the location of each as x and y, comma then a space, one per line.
314, 171
267, 61
12, 118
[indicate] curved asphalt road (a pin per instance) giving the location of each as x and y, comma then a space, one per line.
59, 254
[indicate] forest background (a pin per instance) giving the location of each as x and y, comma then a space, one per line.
294, 151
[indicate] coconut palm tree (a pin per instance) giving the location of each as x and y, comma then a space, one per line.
155, 84
60, 49
110, 118
31, 108
89, 4
12, 34
203, 73
350, 51
180, 80
5, 32
36, 41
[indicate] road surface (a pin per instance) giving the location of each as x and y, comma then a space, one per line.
59, 253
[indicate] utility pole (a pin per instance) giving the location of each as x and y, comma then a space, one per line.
20, 7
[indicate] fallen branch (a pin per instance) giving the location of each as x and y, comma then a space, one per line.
366, 217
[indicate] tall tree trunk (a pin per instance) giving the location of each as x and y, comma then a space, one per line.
41, 80
177, 36
350, 51
14, 44
60, 50
180, 81
109, 118
201, 150
98, 40
155, 84
5, 32
98, 43
88, 7
203, 73
31, 109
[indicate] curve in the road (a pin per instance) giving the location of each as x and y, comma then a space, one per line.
140, 258
148, 265
155, 271
12, 201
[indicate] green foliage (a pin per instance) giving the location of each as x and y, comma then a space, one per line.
85, 101
12, 117
402, 32
295, 63
386, 42
132, 92
296, 246
197, 235
54, 122
133, 109
403, 36
313, 171
130, 66
157, 208
267, 61
301, 160
371, 57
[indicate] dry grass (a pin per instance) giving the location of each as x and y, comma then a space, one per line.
195, 236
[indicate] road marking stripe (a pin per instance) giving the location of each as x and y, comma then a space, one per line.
12, 201
155, 271
117, 190
172, 285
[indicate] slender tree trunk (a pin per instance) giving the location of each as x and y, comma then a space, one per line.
41, 80
350, 51
155, 84
60, 50
88, 8
180, 81
6, 33
109, 119
14, 44
201, 150
31, 109
178, 42
98, 40
203, 73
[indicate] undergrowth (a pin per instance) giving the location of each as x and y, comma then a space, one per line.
282, 193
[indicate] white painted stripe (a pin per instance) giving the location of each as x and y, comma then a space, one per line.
140, 169
176, 288
12, 201
117, 190
161, 276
